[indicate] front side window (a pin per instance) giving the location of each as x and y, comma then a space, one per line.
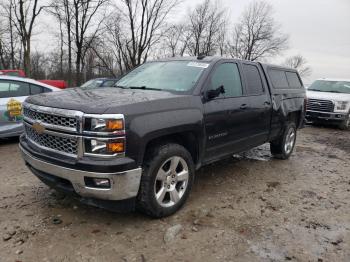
254, 84
179, 76
227, 75
331, 86
13, 89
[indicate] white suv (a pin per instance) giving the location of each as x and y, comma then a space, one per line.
329, 100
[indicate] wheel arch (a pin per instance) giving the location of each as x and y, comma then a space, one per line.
190, 140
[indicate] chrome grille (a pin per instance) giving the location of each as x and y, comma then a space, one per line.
67, 145
320, 105
51, 119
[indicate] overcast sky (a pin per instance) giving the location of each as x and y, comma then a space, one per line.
318, 29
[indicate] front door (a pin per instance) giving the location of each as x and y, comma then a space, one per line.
224, 115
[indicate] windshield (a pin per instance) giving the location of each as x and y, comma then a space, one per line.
171, 75
331, 86
92, 83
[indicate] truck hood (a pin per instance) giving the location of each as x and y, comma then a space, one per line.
328, 96
109, 100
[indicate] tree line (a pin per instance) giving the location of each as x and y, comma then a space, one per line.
96, 38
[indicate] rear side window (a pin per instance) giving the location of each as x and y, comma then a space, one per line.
253, 78
278, 79
35, 89
13, 89
284, 79
293, 80
227, 75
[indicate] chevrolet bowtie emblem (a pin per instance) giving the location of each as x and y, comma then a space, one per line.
38, 127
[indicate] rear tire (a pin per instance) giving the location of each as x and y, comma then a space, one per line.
166, 181
344, 125
283, 147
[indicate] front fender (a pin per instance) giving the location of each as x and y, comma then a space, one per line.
144, 128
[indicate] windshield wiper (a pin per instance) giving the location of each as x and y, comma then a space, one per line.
327, 91
143, 88
123, 87
138, 87
318, 90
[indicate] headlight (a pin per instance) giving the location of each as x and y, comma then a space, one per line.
104, 135
107, 125
340, 105
104, 123
107, 147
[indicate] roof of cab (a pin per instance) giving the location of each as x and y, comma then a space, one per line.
27, 80
211, 59
191, 58
267, 66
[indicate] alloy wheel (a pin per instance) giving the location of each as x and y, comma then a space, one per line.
290, 140
171, 181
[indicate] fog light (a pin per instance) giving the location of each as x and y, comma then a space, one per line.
97, 182
115, 147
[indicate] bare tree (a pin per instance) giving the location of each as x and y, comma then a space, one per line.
84, 30
57, 11
10, 51
25, 13
206, 24
12, 36
135, 27
38, 62
62, 11
222, 40
300, 63
176, 39
79, 26
3, 47
257, 35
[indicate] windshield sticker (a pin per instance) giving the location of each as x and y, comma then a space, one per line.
196, 64
14, 110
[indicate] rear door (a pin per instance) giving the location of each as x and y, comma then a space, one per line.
258, 105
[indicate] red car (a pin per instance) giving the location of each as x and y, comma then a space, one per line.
20, 73
13, 72
56, 83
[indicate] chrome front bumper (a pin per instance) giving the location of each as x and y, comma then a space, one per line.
310, 114
124, 185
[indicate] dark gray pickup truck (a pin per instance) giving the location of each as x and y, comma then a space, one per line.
138, 144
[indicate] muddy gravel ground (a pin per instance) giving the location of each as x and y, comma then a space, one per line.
246, 208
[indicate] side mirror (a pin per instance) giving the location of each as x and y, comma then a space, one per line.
211, 94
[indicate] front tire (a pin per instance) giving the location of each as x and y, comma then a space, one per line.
283, 147
166, 182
